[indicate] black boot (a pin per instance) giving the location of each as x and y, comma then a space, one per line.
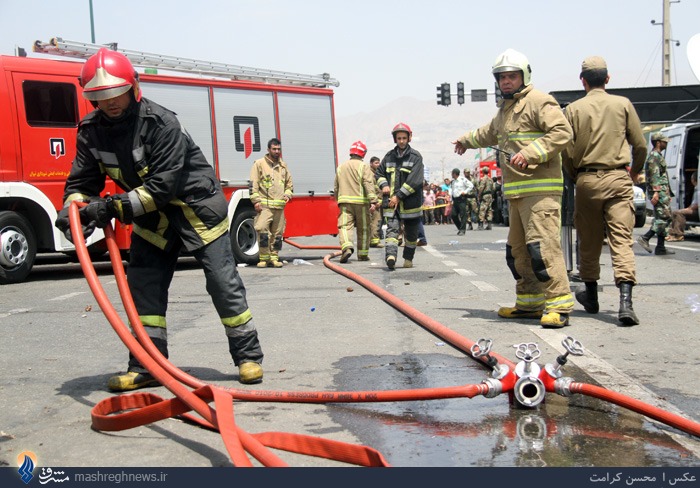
589, 297
470, 226
661, 246
480, 226
626, 314
488, 225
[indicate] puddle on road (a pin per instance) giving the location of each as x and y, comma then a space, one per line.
561, 432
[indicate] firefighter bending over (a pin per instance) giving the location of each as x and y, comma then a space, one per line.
173, 199
531, 127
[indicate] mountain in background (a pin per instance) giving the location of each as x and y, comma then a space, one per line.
434, 128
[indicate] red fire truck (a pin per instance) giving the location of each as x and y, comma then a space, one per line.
230, 111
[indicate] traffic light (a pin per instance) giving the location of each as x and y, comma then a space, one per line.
439, 94
446, 97
460, 93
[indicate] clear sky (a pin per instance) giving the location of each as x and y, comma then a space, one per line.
379, 50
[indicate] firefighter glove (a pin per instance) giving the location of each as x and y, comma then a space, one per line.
63, 224
100, 212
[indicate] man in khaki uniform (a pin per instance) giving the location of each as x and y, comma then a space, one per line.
604, 127
354, 190
271, 188
376, 225
531, 127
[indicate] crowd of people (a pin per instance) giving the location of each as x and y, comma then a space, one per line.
484, 201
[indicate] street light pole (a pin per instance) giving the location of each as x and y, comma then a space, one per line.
92, 25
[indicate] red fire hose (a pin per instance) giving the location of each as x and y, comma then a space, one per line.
128, 411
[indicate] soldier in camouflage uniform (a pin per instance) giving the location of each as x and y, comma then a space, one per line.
485, 195
657, 184
472, 202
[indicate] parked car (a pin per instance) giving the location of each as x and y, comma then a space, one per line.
640, 207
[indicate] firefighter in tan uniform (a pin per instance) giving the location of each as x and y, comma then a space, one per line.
354, 190
604, 127
531, 127
271, 188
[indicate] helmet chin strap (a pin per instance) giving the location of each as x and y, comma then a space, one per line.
511, 95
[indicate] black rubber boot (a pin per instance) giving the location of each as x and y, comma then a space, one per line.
589, 297
626, 314
661, 246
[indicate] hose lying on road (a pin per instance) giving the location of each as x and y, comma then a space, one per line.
128, 411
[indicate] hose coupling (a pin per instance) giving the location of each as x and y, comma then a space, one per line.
562, 386
529, 391
495, 387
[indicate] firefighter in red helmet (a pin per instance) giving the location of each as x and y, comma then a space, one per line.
400, 177
354, 191
172, 197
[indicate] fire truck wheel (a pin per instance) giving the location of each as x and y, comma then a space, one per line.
18, 247
244, 239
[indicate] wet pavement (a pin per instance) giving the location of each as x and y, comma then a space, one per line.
575, 431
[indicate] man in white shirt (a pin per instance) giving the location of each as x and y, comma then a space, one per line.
459, 188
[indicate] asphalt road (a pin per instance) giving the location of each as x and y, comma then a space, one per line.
323, 332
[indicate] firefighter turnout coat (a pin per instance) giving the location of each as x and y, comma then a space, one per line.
158, 161
531, 123
403, 174
270, 182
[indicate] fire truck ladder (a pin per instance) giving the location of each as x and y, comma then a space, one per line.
60, 47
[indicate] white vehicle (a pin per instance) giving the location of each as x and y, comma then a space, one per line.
682, 155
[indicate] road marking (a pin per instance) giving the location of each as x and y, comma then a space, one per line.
683, 248
430, 249
483, 286
68, 296
450, 264
615, 380
464, 272
14, 312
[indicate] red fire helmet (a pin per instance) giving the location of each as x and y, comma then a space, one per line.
401, 127
358, 148
108, 74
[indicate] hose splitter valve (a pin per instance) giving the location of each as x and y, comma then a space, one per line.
502, 377
529, 390
528, 382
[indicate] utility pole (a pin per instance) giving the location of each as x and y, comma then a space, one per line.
666, 56
666, 74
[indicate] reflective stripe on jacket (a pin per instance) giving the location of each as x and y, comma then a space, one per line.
533, 124
354, 183
270, 182
148, 152
403, 174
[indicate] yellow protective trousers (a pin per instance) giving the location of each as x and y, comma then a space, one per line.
535, 257
269, 224
354, 217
